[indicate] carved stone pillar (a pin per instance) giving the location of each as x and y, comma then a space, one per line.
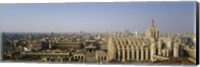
175, 50
123, 55
137, 54
152, 51
128, 53
119, 54
142, 55
146, 53
133, 53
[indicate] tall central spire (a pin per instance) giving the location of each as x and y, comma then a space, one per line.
152, 22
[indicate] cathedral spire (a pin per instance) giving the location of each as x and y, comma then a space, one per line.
152, 22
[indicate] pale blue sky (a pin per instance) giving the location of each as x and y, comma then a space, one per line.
171, 17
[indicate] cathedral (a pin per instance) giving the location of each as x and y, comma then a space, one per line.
149, 47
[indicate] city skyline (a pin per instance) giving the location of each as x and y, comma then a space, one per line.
170, 17
100, 33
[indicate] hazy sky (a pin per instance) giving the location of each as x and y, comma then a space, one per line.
171, 17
